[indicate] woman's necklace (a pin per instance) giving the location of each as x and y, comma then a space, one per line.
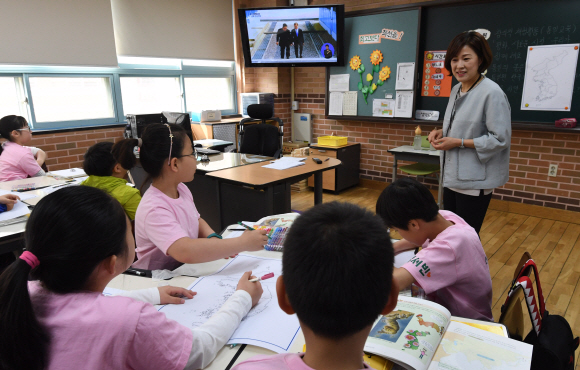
472, 86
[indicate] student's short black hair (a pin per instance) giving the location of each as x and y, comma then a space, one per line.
98, 159
101, 158
404, 200
337, 268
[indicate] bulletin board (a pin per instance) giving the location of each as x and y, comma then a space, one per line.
395, 35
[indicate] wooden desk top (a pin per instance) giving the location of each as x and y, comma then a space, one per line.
257, 175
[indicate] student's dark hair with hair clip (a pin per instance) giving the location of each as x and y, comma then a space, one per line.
337, 268
475, 41
101, 158
9, 124
404, 200
156, 145
70, 232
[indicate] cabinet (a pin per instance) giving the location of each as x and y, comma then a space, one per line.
344, 176
221, 130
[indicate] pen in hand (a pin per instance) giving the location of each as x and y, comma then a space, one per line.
267, 276
251, 228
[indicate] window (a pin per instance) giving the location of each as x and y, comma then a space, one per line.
208, 93
12, 100
71, 98
142, 95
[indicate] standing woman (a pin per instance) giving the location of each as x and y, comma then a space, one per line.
476, 133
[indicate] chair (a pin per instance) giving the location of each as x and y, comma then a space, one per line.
423, 169
260, 138
139, 178
512, 315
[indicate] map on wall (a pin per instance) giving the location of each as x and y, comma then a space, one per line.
549, 77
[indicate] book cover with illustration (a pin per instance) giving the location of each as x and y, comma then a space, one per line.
420, 335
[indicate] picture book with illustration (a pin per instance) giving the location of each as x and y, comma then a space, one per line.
422, 335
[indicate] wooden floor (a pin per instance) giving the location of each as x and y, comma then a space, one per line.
554, 245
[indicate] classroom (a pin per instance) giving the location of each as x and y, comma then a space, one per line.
117, 58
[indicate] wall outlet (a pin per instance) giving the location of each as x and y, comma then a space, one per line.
553, 170
295, 105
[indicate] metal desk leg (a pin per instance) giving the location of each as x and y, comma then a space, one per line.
395, 168
317, 188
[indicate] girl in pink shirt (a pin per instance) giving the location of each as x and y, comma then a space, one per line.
168, 229
77, 240
16, 161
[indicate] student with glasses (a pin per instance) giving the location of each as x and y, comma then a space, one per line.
17, 161
169, 230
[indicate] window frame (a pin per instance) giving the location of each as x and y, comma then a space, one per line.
114, 75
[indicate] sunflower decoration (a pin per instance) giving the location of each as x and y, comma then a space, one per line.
384, 74
355, 63
376, 57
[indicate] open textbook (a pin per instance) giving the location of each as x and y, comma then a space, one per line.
421, 335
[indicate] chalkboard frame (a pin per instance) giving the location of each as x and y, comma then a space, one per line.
516, 124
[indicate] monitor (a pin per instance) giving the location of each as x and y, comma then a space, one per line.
292, 36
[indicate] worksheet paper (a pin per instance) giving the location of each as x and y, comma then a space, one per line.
22, 195
338, 82
285, 163
405, 73
383, 107
266, 325
349, 107
404, 104
335, 104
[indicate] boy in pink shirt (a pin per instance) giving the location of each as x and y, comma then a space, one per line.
337, 280
452, 266
16, 161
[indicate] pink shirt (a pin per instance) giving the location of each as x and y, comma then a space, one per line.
282, 361
91, 331
159, 222
17, 162
453, 270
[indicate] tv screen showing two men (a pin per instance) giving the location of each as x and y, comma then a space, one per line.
302, 35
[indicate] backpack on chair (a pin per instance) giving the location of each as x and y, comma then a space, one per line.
551, 335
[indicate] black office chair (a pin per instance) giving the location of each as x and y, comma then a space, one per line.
260, 138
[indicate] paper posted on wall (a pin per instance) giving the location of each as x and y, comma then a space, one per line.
383, 107
338, 82
404, 104
335, 104
405, 74
349, 107
549, 79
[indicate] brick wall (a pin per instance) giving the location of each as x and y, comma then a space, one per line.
66, 149
531, 152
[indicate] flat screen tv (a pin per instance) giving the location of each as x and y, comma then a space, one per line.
293, 36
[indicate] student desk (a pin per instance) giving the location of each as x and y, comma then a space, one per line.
205, 190
407, 153
252, 192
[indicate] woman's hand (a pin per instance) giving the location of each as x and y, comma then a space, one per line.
446, 143
435, 135
173, 295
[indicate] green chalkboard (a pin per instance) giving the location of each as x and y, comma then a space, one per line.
514, 25
393, 51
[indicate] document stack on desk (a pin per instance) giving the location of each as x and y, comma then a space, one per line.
285, 163
68, 174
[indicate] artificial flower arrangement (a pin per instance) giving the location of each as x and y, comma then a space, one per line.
384, 73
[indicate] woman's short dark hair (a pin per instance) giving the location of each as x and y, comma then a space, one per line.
475, 41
